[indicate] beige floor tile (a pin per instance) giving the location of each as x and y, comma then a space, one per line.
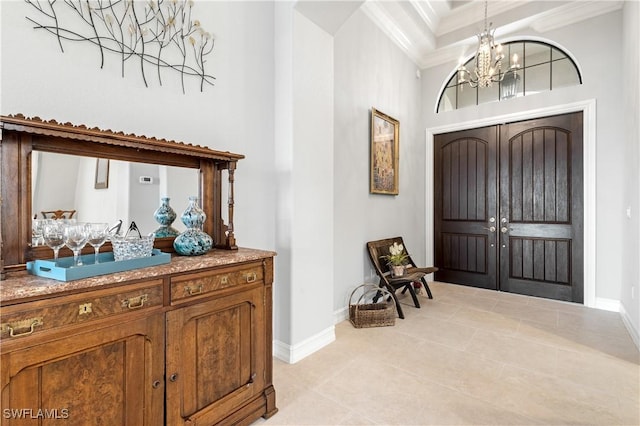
630, 410
455, 369
469, 300
596, 370
481, 319
457, 336
554, 400
469, 357
525, 312
557, 305
310, 408
433, 308
514, 350
593, 321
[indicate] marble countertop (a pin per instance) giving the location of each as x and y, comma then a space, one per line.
22, 286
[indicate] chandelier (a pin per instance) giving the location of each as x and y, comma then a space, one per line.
488, 60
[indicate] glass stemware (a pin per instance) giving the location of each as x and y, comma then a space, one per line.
37, 232
53, 234
75, 237
98, 233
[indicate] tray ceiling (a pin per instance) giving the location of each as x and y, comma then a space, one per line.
432, 32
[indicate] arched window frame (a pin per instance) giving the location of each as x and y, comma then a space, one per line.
506, 63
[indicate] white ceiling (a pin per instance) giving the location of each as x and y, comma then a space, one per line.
432, 32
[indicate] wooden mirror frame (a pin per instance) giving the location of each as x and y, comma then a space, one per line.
21, 136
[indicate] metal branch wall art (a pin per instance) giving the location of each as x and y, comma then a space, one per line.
158, 34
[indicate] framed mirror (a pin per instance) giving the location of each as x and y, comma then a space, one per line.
106, 191
37, 175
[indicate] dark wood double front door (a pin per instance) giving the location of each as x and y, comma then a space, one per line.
508, 207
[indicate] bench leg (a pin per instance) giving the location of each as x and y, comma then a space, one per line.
398, 307
426, 287
395, 298
412, 292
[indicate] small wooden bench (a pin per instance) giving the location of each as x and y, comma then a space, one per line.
377, 251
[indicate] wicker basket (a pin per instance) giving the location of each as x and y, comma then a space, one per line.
379, 314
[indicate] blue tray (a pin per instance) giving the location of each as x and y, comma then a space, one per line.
65, 271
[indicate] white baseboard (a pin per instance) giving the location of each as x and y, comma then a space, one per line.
633, 332
341, 315
607, 304
294, 353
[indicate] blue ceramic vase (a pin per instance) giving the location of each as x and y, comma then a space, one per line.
194, 241
165, 216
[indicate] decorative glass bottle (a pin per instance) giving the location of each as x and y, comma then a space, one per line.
194, 241
165, 216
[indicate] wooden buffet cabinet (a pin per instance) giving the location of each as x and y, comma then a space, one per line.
184, 343
187, 342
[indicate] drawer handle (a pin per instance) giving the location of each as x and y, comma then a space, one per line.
192, 292
251, 277
135, 302
30, 324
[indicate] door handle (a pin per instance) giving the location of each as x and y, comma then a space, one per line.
504, 229
491, 228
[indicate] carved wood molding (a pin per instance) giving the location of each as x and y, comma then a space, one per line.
36, 125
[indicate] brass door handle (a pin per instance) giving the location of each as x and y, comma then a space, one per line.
135, 302
30, 324
193, 291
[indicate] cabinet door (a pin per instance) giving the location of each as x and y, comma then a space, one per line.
111, 375
216, 359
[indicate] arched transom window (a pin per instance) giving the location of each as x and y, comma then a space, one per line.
541, 67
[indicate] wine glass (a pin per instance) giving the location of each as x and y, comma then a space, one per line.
37, 232
75, 237
98, 233
53, 235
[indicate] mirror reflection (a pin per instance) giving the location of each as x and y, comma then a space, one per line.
88, 189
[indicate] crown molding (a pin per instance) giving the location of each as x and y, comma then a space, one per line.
572, 13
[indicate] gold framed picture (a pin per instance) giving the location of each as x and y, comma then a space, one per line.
385, 145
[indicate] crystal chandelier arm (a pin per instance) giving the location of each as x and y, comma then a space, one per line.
488, 59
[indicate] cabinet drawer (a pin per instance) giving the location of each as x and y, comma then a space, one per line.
35, 317
194, 285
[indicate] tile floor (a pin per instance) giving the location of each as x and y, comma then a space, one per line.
469, 357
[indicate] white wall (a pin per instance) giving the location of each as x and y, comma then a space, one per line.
371, 71
283, 165
305, 182
630, 297
54, 182
147, 196
598, 54
236, 114
178, 183
313, 177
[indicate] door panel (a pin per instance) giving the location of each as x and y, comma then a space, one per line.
541, 200
524, 179
102, 377
220, 341
465, 202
